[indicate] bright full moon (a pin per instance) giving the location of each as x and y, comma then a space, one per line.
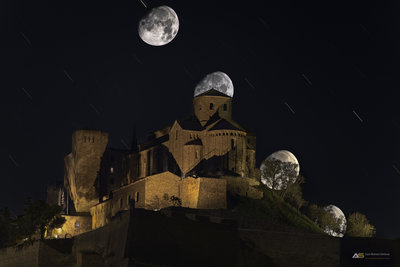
216, 80
279, 169
159, 26
339, 216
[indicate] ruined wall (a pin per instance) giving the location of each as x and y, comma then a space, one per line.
82, 167
74, 225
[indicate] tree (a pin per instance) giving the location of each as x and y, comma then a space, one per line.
7, 228
359, 226
325, 220
293, 193
37, 218
277, 174
176, 201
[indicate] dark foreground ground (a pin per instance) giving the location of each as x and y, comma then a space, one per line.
184, 237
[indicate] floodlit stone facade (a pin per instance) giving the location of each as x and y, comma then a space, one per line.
182, 164
74, 225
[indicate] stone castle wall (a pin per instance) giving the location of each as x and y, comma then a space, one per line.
155, 192
39, 254
243, 187
74, 225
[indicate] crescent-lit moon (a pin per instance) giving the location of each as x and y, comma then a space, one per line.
281, 179
159, 26
218, 80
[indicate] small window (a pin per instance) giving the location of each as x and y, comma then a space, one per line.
166, 197
191, 136
211, 106
137, 197
93, 139
76, 224
112, 170
225, 107
196, 155
232, 144
176, 135
120, 202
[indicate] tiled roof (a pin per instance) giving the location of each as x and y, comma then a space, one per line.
223, 124
213, 92
191, 123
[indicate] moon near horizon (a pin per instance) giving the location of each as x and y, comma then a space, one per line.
218, 80
279, 169
159, 26
339, 216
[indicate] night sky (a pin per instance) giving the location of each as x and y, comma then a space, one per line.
317, 79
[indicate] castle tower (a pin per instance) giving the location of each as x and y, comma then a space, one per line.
82, 166
207, 104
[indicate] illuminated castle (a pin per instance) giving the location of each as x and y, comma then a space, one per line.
192, 162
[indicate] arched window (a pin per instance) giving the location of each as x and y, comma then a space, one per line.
196, 155
232, 144
137, 196
211, 106
225, 107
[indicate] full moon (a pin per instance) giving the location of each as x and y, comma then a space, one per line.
279, 169
339, 216
216, 80
159, 26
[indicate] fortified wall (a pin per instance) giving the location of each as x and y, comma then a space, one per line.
157, 192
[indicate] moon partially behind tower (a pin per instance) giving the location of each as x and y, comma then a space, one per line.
159, 26
218, 80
